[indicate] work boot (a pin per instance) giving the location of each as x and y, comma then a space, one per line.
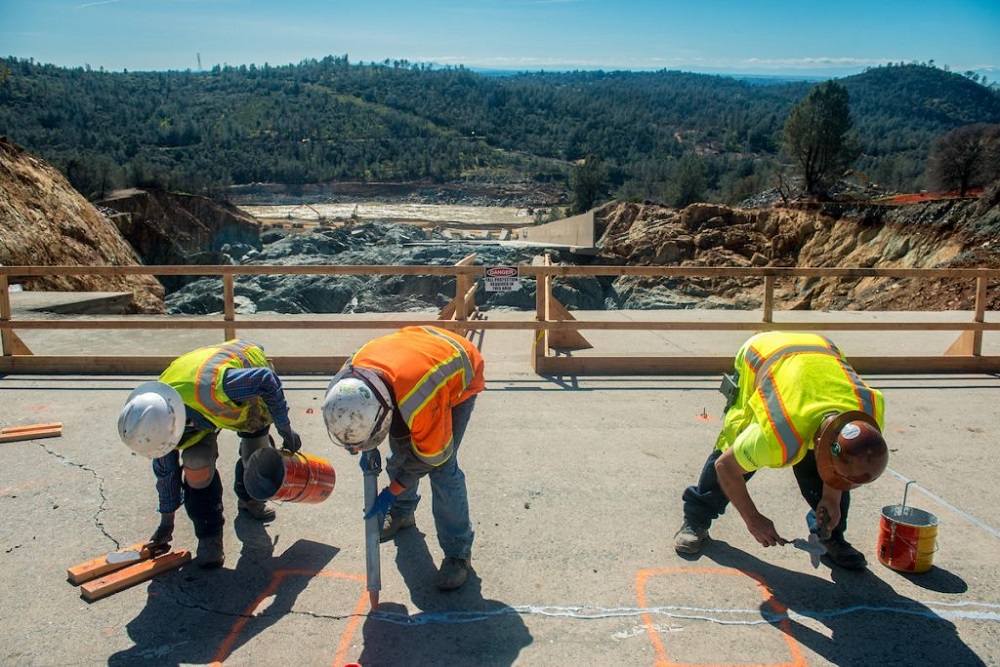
394, 524
258, 509
688, 539
210, 552
843, 554
452, 574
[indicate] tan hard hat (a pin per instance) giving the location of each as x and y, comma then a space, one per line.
850, 450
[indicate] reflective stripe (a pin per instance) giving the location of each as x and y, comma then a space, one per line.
781, 421
430, 384
209, 379
791, 441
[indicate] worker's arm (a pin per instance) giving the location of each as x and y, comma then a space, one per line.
828, 511
730, 474
241, 384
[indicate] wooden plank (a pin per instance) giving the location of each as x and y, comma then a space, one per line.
30, 427
133, 574
100, 566
31, 434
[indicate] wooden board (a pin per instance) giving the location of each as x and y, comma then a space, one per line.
100, 566
30, 432
133, 574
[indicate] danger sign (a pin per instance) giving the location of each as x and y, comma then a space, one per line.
502, 278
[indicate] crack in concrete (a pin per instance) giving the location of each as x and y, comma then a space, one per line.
100, 487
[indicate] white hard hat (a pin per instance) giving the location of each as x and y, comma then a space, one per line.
152, 421
357, 409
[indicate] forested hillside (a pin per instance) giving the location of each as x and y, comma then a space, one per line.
330, 120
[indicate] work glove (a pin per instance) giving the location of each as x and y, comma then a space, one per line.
290, 440
164, 532
383, 502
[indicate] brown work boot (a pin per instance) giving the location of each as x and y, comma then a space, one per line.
210, 552
843, 554
258, 509
452, 574
688, 539
395, 524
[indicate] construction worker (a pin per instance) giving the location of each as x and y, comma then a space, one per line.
418, 386
176, 420
795, 402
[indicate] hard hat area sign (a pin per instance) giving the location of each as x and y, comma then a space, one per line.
502, 278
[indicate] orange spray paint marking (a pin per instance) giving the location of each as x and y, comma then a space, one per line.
798, 660
279, 577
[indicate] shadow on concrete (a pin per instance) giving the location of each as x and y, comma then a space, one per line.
868, 622
453, 628
198, 616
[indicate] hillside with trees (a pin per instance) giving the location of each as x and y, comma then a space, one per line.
664, 136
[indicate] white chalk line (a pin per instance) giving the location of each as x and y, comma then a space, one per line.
955, 611
938, 499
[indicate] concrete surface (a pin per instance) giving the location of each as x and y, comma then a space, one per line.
574, 487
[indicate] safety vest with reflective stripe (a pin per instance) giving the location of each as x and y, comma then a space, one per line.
430, 370
197, 376
788, 382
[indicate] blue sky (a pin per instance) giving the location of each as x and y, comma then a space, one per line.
810, 37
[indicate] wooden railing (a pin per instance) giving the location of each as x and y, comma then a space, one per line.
555, 327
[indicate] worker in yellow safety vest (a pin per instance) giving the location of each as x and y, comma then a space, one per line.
417, 385
794, 402
175, 422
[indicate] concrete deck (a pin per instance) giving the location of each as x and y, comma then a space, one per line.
574, 487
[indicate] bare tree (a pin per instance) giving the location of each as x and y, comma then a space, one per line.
965, 158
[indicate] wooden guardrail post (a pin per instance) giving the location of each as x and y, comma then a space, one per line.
229, 297
768, 315
970, 343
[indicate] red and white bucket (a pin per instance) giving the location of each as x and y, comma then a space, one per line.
907, 537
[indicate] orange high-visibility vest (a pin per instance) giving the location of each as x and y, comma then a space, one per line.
788, 382
430, 370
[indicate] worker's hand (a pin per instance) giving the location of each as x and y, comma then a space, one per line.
164, 532
383, 502
290, 440
827, 518
764, 531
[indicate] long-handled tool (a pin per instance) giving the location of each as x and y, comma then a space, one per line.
371, 464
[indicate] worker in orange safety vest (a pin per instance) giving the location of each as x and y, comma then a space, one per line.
418, 386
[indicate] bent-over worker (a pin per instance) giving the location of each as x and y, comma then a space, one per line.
176, 421
417, 385
797, 403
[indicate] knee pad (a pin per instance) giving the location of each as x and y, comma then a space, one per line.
199, 478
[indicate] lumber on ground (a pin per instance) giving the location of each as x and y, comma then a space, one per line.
98, 567
133, 574
30, 432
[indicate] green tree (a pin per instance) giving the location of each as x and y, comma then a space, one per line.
588, 182
816, 134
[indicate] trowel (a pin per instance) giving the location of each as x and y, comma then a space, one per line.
133, 555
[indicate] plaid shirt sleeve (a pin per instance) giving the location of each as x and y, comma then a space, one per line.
241, 384
167, 470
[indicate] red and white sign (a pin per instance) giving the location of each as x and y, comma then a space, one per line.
502, 278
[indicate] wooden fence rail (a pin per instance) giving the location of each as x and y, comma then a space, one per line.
554, 326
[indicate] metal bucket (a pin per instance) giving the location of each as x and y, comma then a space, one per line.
907, 538
273, 474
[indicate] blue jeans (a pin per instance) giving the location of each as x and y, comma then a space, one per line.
706, 501
449, 498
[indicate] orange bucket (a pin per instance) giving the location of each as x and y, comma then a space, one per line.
281, 475
907, 538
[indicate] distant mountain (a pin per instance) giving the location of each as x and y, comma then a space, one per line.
330, 120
